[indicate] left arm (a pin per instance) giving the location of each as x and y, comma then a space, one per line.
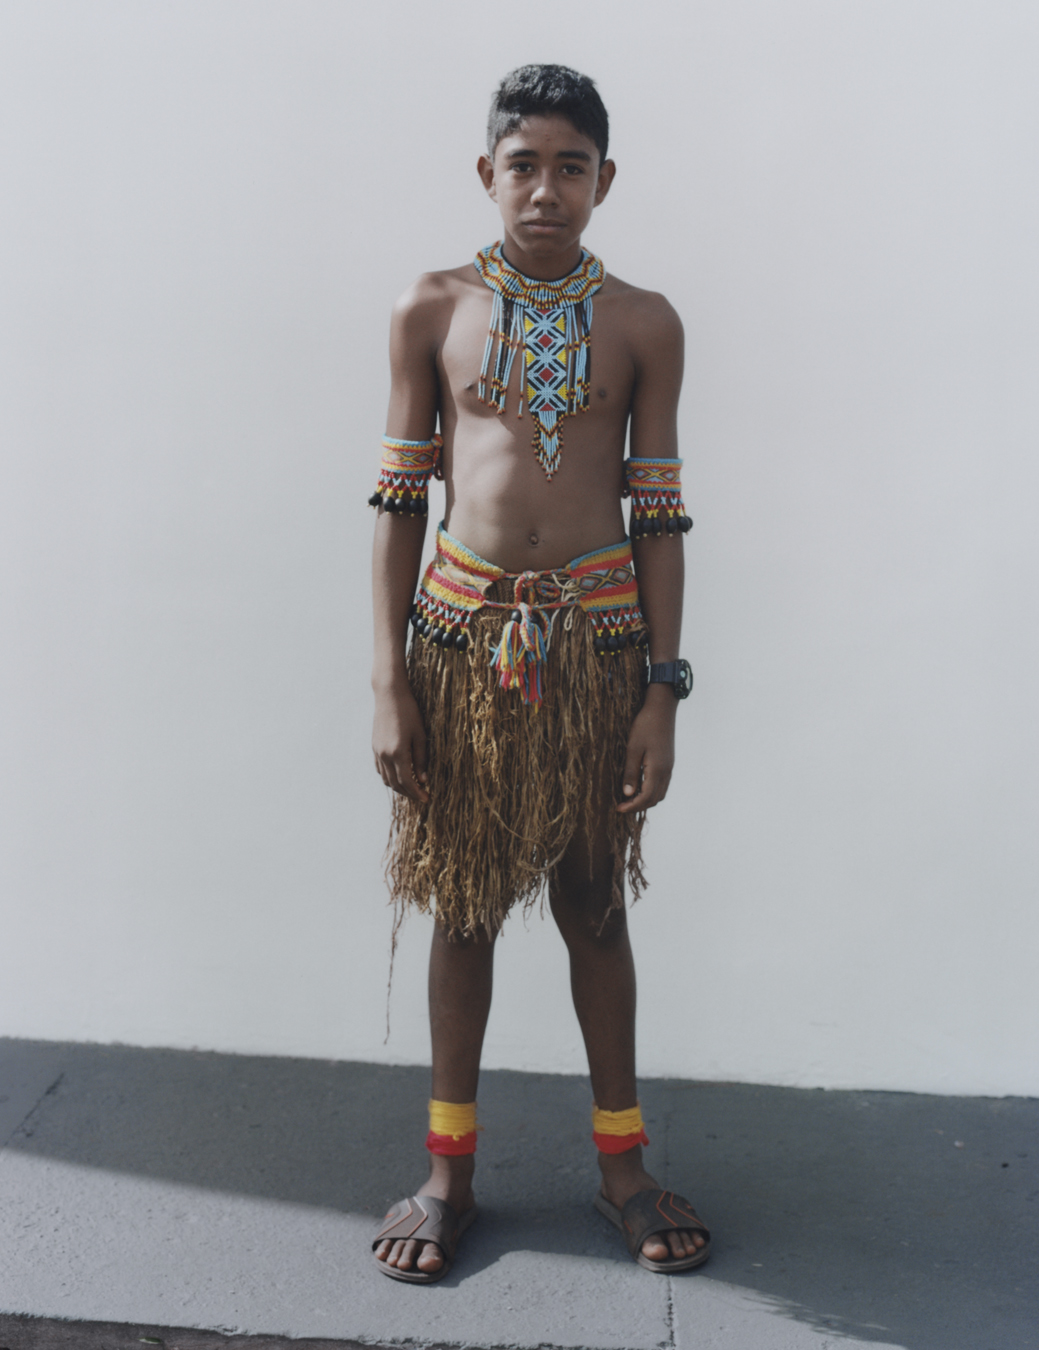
659, 560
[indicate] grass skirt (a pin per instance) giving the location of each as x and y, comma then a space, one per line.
512, 785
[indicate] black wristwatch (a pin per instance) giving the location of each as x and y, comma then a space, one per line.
678, 674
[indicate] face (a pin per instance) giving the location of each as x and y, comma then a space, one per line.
546, 179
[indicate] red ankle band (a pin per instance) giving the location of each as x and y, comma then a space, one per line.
450, 1147
618, 1143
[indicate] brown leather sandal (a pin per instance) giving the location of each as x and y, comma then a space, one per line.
425, 1219
650, 1212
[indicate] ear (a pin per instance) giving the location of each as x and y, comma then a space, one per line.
607, 173
485, 168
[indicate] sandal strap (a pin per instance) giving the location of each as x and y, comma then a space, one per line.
423, 1218
651, 1212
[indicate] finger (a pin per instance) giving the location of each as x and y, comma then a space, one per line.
656, 781
409, 778
389, 774
635, 801
396, 774
384, 768
395, 780
419, 757
654, 789
407, 784
632, 772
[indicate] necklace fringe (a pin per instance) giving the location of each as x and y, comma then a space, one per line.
552, 322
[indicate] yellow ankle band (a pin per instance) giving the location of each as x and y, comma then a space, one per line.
450, 1118
617, 1122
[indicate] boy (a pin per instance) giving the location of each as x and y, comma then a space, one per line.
521, 733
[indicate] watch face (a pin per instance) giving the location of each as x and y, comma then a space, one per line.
684, 683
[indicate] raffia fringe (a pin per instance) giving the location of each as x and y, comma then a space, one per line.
512, 786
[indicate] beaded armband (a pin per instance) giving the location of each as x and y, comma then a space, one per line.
655, 489
404, 475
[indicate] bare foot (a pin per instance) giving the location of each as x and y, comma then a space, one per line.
450, 1179
624, 1176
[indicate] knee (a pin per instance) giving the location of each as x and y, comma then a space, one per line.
582, 906
462, 945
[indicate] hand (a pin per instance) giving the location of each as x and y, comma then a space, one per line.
651, 751
399, 743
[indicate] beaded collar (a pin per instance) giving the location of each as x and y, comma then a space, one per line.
552, 321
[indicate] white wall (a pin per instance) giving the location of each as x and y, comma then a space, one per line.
207, 209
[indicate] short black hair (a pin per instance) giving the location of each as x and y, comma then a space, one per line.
547, 91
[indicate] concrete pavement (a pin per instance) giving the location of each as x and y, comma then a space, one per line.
160, 1188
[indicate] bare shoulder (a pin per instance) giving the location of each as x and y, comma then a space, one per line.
422, 315
648, 313
432, 292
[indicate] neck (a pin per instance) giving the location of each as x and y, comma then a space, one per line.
541, 266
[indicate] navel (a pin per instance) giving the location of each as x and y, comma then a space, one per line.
533, 539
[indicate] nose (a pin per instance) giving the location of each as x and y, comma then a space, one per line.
545, 193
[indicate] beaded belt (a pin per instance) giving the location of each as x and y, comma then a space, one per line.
458, 582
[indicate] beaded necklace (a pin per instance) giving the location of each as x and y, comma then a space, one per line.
552, 321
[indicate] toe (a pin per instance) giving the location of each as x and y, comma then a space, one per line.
431, 1258
655, 1248
674, 1245
382, 1250
400, 1255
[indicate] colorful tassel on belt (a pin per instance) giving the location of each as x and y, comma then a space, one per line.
520, 655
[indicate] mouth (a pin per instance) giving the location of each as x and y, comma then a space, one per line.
540, 226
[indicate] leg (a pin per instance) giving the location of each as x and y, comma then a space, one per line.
602, 978
460, 979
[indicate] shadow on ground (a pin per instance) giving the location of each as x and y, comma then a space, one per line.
50, 1333
890, 1217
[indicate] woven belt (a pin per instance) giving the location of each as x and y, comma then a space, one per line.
458, 583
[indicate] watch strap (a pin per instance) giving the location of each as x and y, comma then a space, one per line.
677, 674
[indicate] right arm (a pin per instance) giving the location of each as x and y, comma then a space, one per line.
399, 738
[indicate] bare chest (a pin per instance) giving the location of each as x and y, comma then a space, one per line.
611, 369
